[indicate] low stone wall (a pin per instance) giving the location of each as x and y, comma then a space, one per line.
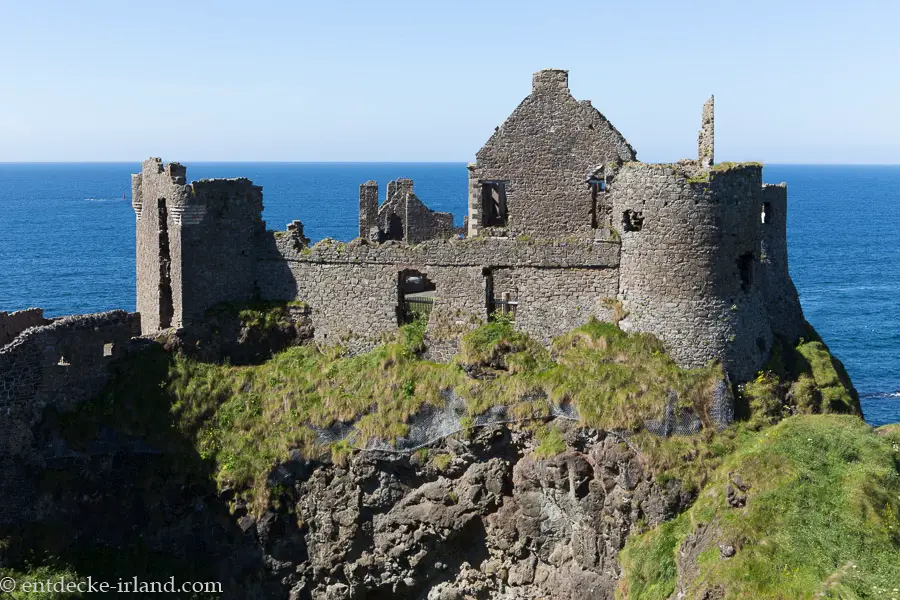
352, 289
60, 364
496, 252
552, 301
12, 324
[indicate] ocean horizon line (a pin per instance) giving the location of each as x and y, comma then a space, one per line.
389, 162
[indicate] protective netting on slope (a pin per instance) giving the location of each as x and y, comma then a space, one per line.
434, 423
684, 421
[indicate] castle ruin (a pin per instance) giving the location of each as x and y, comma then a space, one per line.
564, 224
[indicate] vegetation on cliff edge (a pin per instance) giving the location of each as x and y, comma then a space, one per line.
819, 517
238, 422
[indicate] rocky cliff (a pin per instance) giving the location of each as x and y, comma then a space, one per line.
215, 472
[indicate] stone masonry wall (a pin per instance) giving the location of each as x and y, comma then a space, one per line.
553, 301
422, 223
689, 267
368, 211
211, 230
706, 152
14, 323
60, 364
782, 301
544, 153
402, 216
352, 289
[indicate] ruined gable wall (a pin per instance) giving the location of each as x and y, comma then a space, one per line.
421, 223
402, 216
60, 364
545, 151
680, 274
782, 300
14, 323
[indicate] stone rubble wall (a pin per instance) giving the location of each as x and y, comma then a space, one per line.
680, 274
14, 323
544, 152
58, 365
706, 143
422, 223
352, 289
553, 301
213, 230
402, 216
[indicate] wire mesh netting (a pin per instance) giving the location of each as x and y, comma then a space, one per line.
434, 423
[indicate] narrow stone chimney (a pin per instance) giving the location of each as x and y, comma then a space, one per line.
550, 81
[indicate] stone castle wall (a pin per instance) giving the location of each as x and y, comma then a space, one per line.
782, 301
689, 265
552, 301
14, 323
544, 153
196, 243
352, 289
60, 364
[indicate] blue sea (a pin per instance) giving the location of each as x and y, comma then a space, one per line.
67, 241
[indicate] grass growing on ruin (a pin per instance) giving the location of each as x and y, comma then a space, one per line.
822, 516
804, 379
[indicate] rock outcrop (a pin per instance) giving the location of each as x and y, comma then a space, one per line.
493, 521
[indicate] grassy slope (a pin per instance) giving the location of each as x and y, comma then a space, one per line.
247, 418
822, 516
243, 420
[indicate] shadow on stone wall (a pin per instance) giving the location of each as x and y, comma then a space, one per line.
123, 492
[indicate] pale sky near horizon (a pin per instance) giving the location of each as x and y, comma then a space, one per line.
795, 81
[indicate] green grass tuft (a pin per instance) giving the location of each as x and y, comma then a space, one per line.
550, 442
822, 515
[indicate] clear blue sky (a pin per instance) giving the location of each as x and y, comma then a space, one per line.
795, 80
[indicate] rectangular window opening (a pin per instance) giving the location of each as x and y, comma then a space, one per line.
108, 349
598, 188
493, 201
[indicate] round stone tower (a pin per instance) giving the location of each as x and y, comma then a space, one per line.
689, 270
